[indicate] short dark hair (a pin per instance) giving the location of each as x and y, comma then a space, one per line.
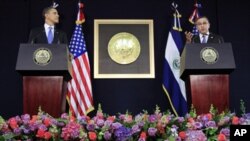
201, 18
46, 10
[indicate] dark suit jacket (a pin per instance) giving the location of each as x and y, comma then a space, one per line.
212, 38
38, 35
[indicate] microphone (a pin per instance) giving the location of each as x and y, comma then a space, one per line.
194, 38
221, 40
33, 39
58, 41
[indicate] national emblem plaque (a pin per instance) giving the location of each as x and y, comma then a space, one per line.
124, 48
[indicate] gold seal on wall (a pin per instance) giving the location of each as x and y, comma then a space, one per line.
124, 48
209, 55
42, 56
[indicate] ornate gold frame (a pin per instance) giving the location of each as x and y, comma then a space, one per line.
104, 67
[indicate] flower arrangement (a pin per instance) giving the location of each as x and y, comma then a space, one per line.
123, 127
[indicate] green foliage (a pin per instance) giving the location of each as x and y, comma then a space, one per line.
192, 112
242, 107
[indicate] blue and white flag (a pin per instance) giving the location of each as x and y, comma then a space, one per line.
173, 86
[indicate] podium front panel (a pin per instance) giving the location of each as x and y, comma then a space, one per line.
59, 57
193, 63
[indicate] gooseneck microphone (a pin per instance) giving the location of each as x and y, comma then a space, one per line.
58, 38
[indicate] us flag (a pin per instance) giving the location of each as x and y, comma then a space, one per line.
79, 87
195, 14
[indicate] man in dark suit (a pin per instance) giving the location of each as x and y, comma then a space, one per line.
48, 33
204, 36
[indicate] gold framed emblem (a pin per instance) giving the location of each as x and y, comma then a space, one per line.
123, 49
209, 55
42, 56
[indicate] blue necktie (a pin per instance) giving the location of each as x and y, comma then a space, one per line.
203, 39
50, 35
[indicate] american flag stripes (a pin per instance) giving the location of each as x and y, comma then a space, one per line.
194, 16
79, 87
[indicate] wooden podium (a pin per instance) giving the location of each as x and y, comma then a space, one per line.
45, 71
205, 68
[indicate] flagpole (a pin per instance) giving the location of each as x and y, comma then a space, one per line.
173, 86
80, 87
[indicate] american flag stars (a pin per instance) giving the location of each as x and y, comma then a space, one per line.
77, 45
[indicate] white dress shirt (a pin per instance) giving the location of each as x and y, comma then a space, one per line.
46, 27
205, 35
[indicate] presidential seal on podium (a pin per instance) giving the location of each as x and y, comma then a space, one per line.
42, 56
209, 55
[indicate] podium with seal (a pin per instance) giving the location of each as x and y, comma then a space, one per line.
45, 69
205, 68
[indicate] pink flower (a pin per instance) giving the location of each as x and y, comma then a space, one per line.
72, 118
33, 119
47, 122
40, 133
111, 118
92, 136
47, 135
235, 120
210, 116
221, 137
182, 135
99, 114
13, 123
71, 131
160, 128
191, 120
128, 119
143, 135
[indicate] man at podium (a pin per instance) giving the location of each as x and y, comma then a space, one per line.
204, 36
48, 33
206, 63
